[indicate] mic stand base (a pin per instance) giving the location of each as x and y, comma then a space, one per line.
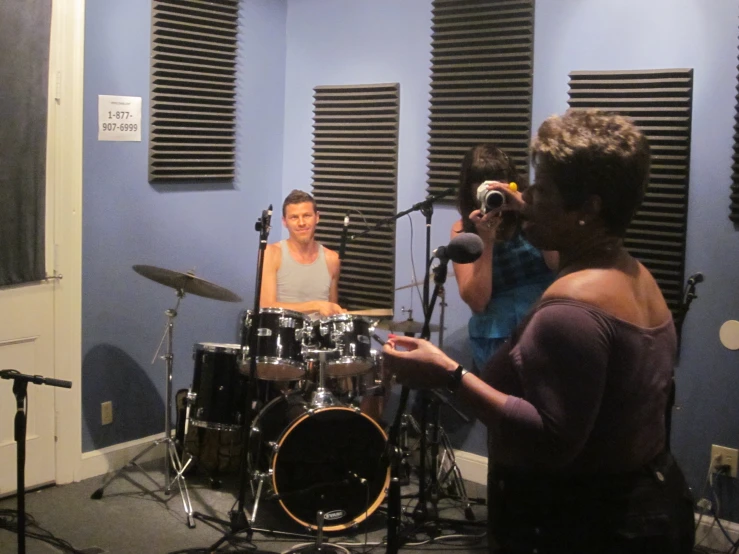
238, 523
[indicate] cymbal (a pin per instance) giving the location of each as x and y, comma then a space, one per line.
187, 282
407, 326
420, 283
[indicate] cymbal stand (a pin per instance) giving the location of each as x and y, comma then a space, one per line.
239, 519
171, 456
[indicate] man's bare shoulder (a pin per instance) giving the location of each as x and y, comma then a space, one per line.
273, 253
331, 255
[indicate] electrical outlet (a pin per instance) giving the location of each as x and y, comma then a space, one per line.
106, 413
723, 456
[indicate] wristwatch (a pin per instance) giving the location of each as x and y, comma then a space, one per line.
455, 379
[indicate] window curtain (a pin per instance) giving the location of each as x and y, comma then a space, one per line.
25, 28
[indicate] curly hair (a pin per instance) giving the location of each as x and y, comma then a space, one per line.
298, 197
590, 152
484, 162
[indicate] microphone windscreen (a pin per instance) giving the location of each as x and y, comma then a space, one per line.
465, 248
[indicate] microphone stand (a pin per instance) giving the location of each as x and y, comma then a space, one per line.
394, 497
20, 386
421, 512
419, 206
682, 310
238, 518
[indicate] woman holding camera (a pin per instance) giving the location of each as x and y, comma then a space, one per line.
511, 275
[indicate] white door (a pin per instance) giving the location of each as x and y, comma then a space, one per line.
27, 340
27, 344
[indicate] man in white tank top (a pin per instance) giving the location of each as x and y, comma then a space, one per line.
299, 273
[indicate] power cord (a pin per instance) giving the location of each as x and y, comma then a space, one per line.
714, 469
9, 521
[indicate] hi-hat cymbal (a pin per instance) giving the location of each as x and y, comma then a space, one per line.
420, 283
407, 326
187, 282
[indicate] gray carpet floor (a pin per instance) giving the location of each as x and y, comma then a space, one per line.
134, 516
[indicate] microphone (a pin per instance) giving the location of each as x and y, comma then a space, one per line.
263, 223
268, 219
695, 278
16, 375
342, 247
465, 248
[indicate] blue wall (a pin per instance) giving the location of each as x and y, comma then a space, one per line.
290, 48
127, 221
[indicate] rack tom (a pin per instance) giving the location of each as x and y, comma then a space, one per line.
349, 337
275, 338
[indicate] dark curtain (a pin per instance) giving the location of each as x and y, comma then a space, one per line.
25, 28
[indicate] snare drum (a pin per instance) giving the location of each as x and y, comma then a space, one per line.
328, 459
349, 335
277, 340
217, 393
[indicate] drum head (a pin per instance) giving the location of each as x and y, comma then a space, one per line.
331, 460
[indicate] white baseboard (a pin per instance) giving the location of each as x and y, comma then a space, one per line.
709, 534
112, 458
474, 467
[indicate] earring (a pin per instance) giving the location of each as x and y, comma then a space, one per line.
581, 222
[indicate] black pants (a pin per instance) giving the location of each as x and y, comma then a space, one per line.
649, 511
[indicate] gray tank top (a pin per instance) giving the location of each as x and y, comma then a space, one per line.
298, 282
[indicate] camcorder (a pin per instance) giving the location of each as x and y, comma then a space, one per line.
489, 199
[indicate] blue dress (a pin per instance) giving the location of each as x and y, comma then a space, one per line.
520, 276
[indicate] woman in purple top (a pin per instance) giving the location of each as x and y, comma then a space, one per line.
575, 401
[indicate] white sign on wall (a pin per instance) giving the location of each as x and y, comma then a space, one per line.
119, 117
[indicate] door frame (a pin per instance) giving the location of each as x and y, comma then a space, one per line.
64, 159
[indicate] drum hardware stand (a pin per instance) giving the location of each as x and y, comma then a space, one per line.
20, 388
407, 422
319, 545
239, 519
322, 397
438, 478
215, 483
171, 456
454, 474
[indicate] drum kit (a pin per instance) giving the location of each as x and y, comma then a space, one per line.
309, 440
310, 444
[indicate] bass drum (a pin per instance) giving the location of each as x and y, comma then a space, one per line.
328, 459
